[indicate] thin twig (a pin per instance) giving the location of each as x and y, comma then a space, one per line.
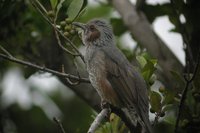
60, 126
64, 75
72, 83
184, 94
53, 25
44, 10
68, 80
55, 29
59, 43
5, 51
104, 112
156, 119
77, 82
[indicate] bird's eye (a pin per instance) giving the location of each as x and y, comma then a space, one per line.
92, 28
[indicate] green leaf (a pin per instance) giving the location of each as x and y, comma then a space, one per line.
154, 61
146, 75
155, 101
128, 53
148, 70
59, 6
168, 98
74, 8
82, 12
142, 61
54, 4
170, 119
146, 55
168, 107
93, 12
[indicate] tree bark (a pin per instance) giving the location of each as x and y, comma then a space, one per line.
142, 31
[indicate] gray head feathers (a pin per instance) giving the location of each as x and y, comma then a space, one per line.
98, 32
103, 26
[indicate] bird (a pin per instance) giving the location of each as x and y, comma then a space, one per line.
116, 80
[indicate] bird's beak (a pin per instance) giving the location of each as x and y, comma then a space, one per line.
80, 25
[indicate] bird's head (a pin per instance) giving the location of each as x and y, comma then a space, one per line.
96, 32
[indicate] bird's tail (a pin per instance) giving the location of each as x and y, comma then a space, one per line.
135, 122
147, 123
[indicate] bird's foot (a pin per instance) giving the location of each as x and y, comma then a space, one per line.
105, 105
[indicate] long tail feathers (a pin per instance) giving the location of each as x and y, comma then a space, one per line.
147, 124
134, 119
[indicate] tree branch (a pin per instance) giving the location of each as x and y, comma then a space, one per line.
104, 112
39, 7
5, 51
61, 46
64, 75
142, 31
60, 126
184, 94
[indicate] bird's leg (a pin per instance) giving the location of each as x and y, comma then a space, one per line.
106, 105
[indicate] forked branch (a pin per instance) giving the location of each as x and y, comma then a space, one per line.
9, 57
184, 94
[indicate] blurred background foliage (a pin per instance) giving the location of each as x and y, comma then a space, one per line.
30, 98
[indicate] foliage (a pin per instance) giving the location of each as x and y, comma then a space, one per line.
115, 125
27, 35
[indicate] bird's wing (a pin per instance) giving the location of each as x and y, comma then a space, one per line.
128, 84
126, 81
